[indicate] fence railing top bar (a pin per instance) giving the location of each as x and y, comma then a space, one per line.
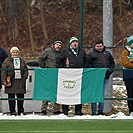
106, 47
32, 98
43, 68
16, 69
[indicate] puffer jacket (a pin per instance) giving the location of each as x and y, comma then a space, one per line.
48, 58
18, 85
127, 74
79, 61
3, 56
102, 59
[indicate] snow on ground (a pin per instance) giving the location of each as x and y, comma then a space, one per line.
33, 116
120, 106
119, 91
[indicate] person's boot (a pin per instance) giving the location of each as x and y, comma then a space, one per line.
44, 112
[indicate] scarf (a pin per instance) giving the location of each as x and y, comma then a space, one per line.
16, 62
75, 52
131, 52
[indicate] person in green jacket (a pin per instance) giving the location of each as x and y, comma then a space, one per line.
48, 60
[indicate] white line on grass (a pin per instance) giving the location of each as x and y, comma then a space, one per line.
73, 131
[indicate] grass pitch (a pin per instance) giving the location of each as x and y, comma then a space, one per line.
66, 126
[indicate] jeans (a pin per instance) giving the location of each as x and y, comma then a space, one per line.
100, 105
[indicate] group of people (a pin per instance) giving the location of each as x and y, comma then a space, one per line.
99, 57
73, 56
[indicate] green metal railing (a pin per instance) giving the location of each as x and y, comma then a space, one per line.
32, 99
116, 69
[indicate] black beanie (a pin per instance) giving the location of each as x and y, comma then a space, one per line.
57, 41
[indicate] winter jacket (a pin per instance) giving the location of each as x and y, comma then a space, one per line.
3, 56
102, 59
48, 58
127, 74
79, 61
18, 85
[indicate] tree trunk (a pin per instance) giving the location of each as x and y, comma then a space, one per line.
9, 12
30, 30
43, 20
120, 5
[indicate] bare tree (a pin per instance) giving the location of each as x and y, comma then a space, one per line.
43, 19
10, 12
29, 25
120, 5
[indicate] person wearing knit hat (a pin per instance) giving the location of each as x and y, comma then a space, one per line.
47, 59
15, 80
57, 45
73, 39
57, 41
74, 45
127, 62
129, 46
13, 49
129, 40
72, 56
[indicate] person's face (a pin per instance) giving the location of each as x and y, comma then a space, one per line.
15, 54
74, 45
131, 46
99, 47
57, 46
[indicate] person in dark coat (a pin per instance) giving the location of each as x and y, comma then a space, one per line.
3, 56
72, 57
47, 59
15, 80
127, 62
99, 57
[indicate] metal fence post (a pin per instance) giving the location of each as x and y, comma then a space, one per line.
108, 41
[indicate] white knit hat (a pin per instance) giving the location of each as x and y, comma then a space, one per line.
14, 48
73, 39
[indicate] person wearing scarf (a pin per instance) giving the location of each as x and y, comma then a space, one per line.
127, 62
17, 77
72, 56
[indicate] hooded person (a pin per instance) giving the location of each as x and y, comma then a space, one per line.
47, 59
17, 79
